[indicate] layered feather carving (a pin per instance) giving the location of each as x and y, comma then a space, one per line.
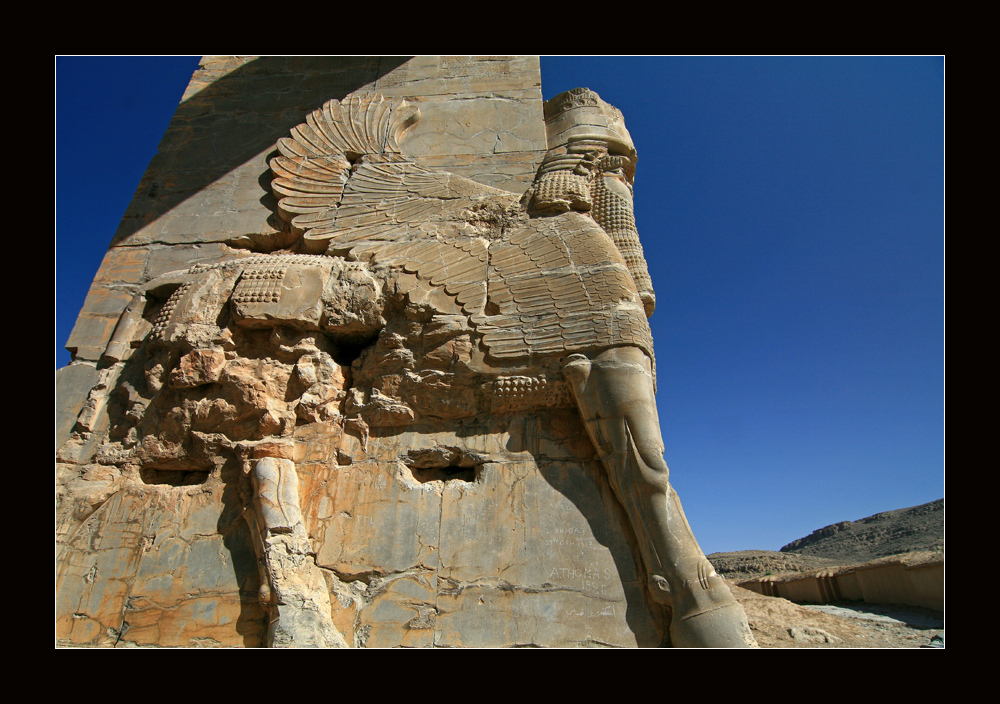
316, 159
559, 284
541, 286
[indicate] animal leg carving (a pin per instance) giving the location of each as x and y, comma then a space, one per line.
614, 392
294, 590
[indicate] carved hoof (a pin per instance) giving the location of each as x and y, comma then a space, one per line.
705, 612
724, 627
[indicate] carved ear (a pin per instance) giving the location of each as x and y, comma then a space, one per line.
590, 164
405, 116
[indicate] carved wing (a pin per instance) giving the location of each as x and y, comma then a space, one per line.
559, 284
315, 162
550, 285
344, 185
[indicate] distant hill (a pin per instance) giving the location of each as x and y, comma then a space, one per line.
890, 533
899, 532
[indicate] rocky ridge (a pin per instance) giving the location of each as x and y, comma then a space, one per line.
916, 531
888, 533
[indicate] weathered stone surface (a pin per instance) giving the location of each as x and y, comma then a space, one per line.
205, 183
96, 323
480, 125
420, 415
461, 545
73, 384
197, 368
505, 170
128, 266
163, 260
159, 565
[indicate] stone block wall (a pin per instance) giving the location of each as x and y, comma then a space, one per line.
893, 583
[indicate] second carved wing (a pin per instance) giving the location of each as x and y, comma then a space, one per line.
557, 285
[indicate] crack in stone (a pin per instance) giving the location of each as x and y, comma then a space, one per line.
455, 588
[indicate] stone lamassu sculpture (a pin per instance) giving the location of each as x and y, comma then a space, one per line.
418, 297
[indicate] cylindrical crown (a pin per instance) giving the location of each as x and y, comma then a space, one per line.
580, 115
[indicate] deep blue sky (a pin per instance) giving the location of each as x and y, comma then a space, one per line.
792, 212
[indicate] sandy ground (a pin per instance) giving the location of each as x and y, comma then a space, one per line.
779, 623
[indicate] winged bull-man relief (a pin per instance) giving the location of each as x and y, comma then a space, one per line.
421, 296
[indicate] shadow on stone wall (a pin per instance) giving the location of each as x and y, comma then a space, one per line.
223, 125
610, 528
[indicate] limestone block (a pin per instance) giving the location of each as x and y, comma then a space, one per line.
73, 384
257, 83
105, 302
229, 207
95, 567
449, 75
807, 591
926, 585
849, 587
160, 566
509, 171
399, 611
575, 568
352, 303
91, 334
436, 394
163, 260
181, 579
899, 584
193, 308
205, 622
280, 293
123, 266
369, 498
474, 126
428, 552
